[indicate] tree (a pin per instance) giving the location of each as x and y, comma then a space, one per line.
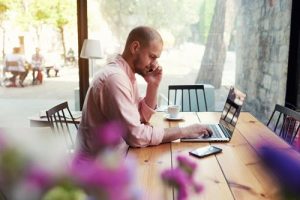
64, 13
212, 64
40, 12
4, 7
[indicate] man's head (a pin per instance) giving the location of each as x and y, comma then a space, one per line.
143, 47
37, 50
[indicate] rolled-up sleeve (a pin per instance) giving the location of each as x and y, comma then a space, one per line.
145, 111
122, 105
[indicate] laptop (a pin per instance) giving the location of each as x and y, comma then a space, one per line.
222, 132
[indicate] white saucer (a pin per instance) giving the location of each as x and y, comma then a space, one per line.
179, 117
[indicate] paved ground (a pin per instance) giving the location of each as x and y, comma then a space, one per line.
17, 104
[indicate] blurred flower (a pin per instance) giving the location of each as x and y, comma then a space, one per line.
285, 168
38, 177
187, 165
108, 176
104, 181
181, 178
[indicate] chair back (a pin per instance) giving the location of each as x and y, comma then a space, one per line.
192, 98
60, 119
285, 123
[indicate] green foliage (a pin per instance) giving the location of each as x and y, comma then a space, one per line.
66, 190
12, 165
35, 14
38, 12
3, 10
172, 15
3, 7
63, 12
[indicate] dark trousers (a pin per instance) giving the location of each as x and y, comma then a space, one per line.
34, 74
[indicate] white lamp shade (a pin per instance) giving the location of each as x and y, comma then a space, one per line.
91, 49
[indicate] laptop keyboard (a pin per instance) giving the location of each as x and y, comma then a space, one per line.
216, 133
225, 131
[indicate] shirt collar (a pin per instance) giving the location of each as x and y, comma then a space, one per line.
124, 65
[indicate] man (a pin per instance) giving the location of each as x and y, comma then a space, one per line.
37, 62
15, 64
113, 96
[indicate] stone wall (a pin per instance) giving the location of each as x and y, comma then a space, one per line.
262, 35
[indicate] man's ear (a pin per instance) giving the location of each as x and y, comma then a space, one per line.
134, 47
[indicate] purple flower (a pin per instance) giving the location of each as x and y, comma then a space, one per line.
112, 182
38, 177
178, 179
187, 165
182, 177
284, 167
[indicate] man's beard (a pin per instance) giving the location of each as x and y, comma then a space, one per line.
141, 71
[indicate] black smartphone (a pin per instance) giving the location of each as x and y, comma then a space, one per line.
205, 151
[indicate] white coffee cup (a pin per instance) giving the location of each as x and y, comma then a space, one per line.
173, 110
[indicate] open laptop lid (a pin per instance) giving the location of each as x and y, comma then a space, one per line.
232, 109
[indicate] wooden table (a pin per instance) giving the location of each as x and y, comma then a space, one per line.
236, 173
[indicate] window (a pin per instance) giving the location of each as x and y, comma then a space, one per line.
222, 43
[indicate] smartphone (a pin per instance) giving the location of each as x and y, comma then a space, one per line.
205, 151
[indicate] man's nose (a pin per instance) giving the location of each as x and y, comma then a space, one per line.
153, 63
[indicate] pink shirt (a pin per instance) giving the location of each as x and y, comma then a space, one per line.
113, 95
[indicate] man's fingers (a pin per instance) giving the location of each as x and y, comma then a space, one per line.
209, 131
158, 68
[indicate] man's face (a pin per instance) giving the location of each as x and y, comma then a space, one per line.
145, 59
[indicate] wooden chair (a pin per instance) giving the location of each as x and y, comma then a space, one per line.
285, 123
60, 119
188, 96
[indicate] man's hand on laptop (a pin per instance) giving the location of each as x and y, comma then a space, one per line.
196, 130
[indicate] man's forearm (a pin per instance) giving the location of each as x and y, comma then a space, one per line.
190, 131
151, 95
172, 134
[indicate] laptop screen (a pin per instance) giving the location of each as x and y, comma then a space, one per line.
232, 108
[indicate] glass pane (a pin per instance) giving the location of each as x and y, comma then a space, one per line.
215, 42
41, 36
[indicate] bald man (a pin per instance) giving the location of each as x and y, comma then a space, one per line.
113, 96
